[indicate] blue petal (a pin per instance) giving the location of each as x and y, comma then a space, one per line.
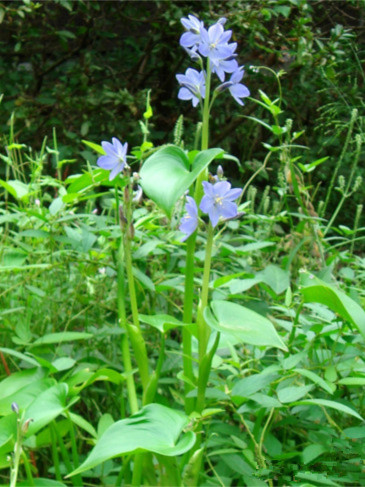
107, 162
214, 216
118, 168
206, 203
228, 209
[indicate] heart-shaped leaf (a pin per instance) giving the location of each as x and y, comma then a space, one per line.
167, 174
243, 324
154, 428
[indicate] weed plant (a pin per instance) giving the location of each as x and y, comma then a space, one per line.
195, 333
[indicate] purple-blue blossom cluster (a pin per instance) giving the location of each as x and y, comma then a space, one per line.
218, 201
212, 44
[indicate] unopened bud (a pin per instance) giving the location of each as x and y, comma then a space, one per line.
136, 176
137, 195
220, 172
15, 407
223, 86
25, 426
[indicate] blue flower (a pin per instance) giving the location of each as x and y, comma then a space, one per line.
218, 201
221, 66
237, 89
192, 85
194, 27
115, 158
214, 42
189, 222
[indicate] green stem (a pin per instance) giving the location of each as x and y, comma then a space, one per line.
28, 469
205, 129
137, 470
65, 457
188, 318
55, 456
135, 334
204, 371
74, 452
126, 357
203, 329
17, 455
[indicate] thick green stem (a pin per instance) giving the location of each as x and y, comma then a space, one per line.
135, 334
126, 357
206, 107
17, 454
203, 329
188, 318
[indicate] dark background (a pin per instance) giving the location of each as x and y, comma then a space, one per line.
85, 67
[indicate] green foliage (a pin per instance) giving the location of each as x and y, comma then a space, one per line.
282, 372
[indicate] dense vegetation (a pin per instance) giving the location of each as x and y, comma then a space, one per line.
130, 356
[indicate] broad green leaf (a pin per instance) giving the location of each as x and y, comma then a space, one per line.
154, 428
318, 291
252, 384
166, 174
329, 387
275, 277
63, 363
46, 407
18, 380
353, 432
8, 426
243, 324
16, 188
56, 205
331, 404
14, 258
293, 393
25, 396
266, 401
162, 322
85, 377
237, 286
311, 452
63, 336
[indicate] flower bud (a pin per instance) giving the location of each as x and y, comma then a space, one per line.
15, 407
25, 426
137, 195
223, 86
220, 171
